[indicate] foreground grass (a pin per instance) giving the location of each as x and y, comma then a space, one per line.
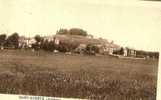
100, 78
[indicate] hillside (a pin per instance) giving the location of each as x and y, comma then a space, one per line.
85, 40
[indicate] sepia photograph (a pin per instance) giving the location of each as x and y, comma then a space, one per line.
80, 49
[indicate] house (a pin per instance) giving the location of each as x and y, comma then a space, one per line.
48, 38
129, 52
56, 41
109, 48
30, 41
102, 45
22, 42
81, 49
25, 42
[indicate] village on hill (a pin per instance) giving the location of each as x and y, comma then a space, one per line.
74, 40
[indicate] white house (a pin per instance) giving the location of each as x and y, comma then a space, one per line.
48, 38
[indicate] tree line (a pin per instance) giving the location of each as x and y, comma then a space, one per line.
12, 42
72, 31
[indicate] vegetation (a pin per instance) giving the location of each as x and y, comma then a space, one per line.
38, 38
76, 76
76, 35
140, 53
62, 32
61, 75
48, 45
72, 31
67, 47
119, 52
92, 49
2, 39
11, 41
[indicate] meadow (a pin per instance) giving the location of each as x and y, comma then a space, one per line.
77, 76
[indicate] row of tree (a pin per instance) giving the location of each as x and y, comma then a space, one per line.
72, 31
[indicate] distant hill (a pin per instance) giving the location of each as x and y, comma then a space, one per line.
85, 40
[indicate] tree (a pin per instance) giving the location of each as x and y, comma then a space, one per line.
38, 44
92, 49
62, 32
2, 39
77, 31
120, 52
63, 47
48, 45
38, 38
51, 46
13, 40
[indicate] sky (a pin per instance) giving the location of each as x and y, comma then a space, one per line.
132, 23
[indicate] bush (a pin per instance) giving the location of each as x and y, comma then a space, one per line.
67, 47
48, 46
92, 49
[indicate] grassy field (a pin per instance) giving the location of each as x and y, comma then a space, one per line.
78, 76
